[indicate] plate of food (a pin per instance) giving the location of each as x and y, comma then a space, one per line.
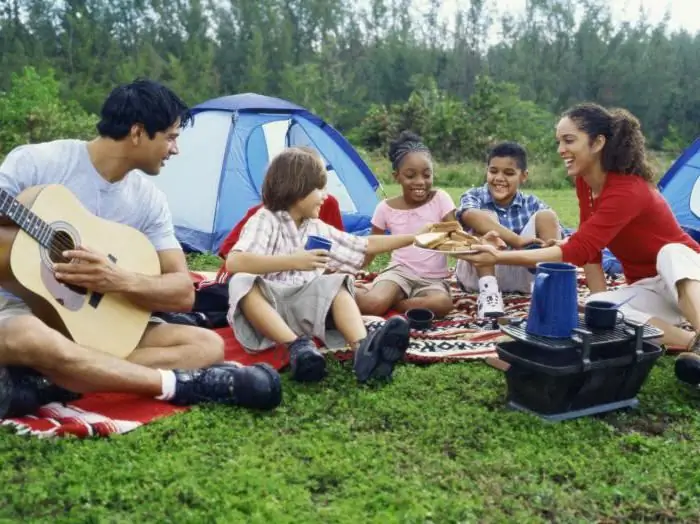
448, 238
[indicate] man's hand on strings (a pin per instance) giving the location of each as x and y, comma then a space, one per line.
91, 270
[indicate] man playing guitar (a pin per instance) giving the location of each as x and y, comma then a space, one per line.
138, 132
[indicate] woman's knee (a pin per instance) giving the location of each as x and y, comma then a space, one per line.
671, 253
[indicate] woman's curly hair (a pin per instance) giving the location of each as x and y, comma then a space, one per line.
624, 150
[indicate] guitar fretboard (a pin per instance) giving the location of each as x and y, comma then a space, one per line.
25, 219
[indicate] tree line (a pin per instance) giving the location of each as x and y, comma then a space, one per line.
368, 68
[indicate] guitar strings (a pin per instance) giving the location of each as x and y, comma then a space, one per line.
59, 245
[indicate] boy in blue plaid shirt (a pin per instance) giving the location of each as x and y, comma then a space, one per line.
520, 220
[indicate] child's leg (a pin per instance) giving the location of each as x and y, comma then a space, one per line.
376, 354
265, 318
306, 362
437, 301
347, 317
547, 225
378, 300
489, 302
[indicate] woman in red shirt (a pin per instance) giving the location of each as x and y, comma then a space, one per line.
621, 209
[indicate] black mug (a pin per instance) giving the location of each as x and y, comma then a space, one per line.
420, 318
600, 314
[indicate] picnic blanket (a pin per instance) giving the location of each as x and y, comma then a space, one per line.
458, 337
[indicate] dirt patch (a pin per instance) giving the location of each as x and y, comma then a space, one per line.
652, 425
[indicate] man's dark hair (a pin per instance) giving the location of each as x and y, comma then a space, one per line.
141, 102
509, 150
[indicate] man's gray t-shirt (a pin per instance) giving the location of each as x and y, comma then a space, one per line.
134, 200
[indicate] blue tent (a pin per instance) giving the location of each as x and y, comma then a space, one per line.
219, 172
681, 188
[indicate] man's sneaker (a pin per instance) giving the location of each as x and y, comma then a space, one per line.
489, 305
256, 387
306, 362
687, 366
31, 390
5, 391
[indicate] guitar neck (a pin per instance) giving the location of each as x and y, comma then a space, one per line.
27, 221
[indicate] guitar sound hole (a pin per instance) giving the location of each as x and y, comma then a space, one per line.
62, 241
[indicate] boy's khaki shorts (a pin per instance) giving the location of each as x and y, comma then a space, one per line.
411, 284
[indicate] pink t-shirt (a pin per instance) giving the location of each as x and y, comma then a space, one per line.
408, 221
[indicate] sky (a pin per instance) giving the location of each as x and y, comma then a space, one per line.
683, 13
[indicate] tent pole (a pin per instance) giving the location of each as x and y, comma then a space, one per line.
381, 188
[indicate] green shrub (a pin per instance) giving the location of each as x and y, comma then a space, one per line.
32, 111
458, 131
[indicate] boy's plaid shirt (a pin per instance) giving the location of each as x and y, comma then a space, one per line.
275, 233
514, 217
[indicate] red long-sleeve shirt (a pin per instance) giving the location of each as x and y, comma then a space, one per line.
631, 218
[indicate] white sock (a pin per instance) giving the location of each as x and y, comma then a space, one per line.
168, 384
488, 284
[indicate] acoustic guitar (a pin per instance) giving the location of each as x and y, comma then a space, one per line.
47, 220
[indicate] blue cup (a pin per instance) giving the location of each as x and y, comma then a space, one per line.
316, 242
554, 306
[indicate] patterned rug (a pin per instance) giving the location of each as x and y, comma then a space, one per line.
458, 337
461, 336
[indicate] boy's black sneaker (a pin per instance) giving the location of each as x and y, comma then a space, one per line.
31, 390
306, 362
257, 386
377, 354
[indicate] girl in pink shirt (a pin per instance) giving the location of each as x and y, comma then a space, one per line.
415, 278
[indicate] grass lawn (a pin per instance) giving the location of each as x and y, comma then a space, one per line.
436, 445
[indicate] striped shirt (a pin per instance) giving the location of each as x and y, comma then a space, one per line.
275, 233
513, 217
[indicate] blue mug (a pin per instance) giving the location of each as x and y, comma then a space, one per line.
554, 306
316, 242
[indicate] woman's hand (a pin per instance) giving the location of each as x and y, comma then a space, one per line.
530, 241
487, 255
555, 242
492, 238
